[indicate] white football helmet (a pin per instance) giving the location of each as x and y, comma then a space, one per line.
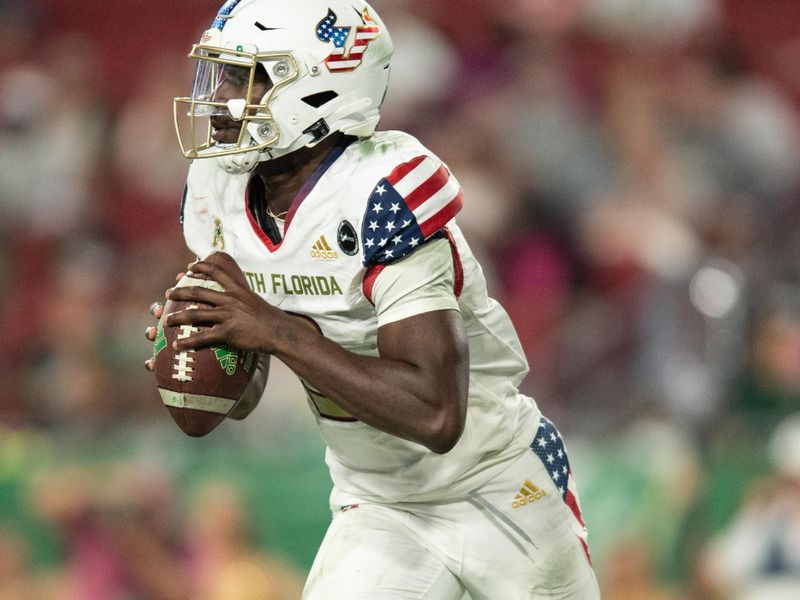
327, 62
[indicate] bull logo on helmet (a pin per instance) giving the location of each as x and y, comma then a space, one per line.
349, 47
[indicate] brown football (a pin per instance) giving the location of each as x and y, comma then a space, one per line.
199, 387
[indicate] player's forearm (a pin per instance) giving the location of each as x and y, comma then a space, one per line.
421, 404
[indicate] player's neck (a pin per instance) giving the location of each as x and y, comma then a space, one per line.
286, 175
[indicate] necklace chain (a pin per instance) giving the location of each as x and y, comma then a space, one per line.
280, 215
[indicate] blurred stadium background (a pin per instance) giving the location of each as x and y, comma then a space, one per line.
632, 172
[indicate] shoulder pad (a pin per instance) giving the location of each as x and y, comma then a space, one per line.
408, 208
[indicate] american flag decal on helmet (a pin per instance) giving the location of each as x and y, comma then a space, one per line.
223, 14
348, 48
408, 207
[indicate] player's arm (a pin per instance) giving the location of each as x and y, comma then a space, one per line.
416, 389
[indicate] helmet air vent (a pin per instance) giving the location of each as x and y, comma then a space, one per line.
320, 99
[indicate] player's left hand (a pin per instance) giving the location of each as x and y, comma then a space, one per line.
238, 316
156, 309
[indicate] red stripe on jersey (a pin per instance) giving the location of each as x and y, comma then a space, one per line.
441, 218
569, 500
458, 284
428, 188
404, 170
369, 281
586, 550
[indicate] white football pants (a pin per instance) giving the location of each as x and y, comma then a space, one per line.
513, 539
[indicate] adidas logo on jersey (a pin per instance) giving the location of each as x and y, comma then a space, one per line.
323, 251
528, 494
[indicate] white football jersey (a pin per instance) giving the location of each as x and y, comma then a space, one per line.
341, 263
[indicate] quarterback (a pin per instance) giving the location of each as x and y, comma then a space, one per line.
448, 482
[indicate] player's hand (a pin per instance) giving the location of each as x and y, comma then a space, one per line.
156, 309
238, 316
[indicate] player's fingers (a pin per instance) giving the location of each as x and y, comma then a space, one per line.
156, 308
203, 339
196, 293
216, 271
150, 333
150, 364
191, 316
200, 267
179, 276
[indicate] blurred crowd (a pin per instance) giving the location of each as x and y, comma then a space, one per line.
631, 172
122, 539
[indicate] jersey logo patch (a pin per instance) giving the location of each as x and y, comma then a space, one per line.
528, 494
322, 250
348, 46
218, 238
346, 238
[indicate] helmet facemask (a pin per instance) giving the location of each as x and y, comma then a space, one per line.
328, 66
227, 89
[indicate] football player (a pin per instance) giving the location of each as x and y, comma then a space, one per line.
447, 480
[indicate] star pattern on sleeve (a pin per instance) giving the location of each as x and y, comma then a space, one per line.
407, 208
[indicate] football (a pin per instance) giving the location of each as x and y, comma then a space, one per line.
199, 387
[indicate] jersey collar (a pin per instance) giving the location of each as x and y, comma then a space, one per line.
308, 186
